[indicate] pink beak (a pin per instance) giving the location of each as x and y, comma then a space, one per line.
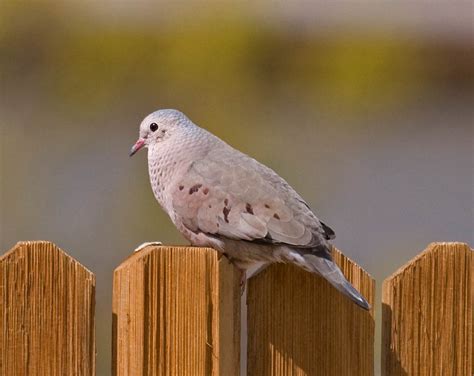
138, 145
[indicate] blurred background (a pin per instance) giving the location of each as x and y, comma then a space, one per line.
365, 108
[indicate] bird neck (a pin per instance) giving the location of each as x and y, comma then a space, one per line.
161, 168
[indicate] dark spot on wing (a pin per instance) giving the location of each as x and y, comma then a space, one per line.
194, 188
328, 232
249, 208
181, 187
226, 212
205, 191
276, 216
226, 202
267, 206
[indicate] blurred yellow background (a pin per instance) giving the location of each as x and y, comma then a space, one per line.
365, 108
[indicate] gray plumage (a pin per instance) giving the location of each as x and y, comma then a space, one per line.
219, 197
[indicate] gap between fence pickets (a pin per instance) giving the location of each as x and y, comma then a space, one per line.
252, 272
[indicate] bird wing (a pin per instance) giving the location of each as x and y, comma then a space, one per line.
229, 194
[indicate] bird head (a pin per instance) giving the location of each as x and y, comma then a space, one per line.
158, 127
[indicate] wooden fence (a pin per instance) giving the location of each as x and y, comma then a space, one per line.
176, 311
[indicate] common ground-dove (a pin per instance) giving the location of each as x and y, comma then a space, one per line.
221, 198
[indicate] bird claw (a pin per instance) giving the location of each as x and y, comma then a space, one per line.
243, 281
144, 245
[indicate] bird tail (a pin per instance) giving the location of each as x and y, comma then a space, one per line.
331, 272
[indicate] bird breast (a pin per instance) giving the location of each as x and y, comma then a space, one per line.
169, 161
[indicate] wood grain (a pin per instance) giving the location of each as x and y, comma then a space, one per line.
428, 314
300, 325
46, 312
176, 312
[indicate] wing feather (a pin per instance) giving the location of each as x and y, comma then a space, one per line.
232, 195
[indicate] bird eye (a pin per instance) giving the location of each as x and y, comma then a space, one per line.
153, 127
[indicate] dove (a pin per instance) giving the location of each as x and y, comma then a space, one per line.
219, 197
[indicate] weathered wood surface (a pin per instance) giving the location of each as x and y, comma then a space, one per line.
176, 312
46, 312
428, 314
300, 325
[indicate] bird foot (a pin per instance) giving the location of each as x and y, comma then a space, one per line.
243, 280
144, 245
243, 272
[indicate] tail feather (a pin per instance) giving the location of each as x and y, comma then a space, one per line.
331, 272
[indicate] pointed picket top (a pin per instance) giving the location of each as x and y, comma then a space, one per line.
47, 302
41, 246
431, 249
427, 314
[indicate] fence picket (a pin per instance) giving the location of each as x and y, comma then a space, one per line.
427, 314
46, 312
300, 325
176, 311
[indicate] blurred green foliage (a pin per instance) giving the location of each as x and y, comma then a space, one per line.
88, 63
